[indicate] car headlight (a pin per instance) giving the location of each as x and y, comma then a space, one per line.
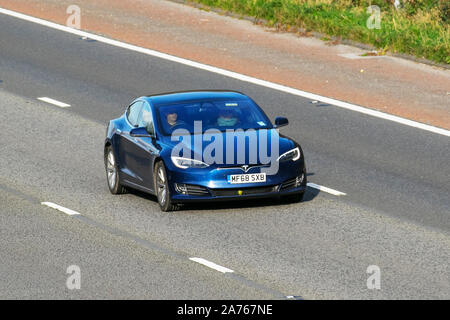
293, 155
185, 163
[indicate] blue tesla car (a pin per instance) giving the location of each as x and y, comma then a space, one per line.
195, 146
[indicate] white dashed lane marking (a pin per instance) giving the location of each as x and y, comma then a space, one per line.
60, 208
325, 189
54, 102
211, 265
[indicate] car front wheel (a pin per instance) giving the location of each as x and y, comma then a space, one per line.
162, 188
112, 172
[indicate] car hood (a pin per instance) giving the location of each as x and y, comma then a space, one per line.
242, 147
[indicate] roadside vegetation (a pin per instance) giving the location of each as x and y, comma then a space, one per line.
417, 27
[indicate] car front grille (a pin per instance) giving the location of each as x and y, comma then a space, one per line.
190, 189
196, 190
243, 191
288, 184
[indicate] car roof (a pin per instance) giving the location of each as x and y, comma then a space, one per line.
185, 96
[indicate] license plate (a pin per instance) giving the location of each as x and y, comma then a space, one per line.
246, 178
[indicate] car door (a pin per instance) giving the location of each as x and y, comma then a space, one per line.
127, 145
145, 149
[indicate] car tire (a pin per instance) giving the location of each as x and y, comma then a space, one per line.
162, 188
112, 172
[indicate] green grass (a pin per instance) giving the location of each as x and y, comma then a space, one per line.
420, 28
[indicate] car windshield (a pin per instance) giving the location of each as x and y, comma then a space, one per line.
212, 114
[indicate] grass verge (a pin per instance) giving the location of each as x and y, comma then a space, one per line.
418, 27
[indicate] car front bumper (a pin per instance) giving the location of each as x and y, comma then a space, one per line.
180, 198
203, 185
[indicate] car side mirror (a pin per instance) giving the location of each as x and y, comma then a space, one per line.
281, 122
140, 132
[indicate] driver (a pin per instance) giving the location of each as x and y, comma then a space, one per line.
227, 118
172, 117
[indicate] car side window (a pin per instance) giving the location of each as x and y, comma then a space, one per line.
146, 118
133, 113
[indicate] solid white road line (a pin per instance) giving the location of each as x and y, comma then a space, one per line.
211, 265
325, 189
54, 102
230, 74
60, 208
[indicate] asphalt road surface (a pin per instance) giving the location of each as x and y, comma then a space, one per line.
395, 214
